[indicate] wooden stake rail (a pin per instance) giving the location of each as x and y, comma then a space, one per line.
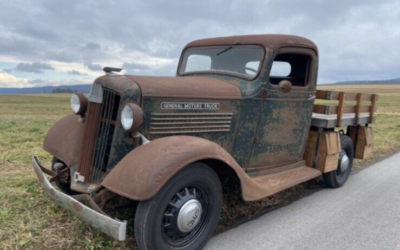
348, 103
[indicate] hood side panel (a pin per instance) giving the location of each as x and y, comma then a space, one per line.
190, 87
214, 120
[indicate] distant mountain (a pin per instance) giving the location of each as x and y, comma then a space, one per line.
390, 81
48, 89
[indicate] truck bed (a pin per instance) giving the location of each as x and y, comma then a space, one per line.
336, 109
330, 121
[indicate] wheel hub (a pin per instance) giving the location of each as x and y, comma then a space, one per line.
189, 215
344, 162
184, 213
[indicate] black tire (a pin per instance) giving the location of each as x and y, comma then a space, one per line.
338, 177
64, 186
156, 223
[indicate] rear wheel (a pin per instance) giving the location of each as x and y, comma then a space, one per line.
183, 214
339, 177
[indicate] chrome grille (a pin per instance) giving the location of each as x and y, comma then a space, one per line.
96, 93
186, 123
106, 127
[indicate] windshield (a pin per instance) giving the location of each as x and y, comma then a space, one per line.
237, 60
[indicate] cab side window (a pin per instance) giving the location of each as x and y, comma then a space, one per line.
292, 67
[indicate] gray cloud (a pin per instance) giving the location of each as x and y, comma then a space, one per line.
357, 39
61, 56
132, 65
46, 82
37, 81
93, 66
76, 73
35, 67
92, 46
167, 70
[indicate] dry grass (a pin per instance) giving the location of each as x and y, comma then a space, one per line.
28, 220
387, 127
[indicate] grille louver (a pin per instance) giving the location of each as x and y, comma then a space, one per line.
106, 127
185, 123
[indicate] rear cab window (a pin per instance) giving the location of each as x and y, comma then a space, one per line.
292, 67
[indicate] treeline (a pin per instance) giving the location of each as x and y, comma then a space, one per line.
61, 90
362, 83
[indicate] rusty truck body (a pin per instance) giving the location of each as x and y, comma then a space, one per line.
242, 107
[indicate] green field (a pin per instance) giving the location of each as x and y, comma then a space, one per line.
28, 220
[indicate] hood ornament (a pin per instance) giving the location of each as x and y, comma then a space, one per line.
110, 70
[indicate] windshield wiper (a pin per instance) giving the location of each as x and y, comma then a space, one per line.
226, 49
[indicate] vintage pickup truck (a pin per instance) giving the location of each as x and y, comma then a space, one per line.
242, 107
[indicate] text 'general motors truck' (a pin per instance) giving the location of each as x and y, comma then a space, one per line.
241, 107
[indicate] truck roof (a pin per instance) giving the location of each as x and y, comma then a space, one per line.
272, 41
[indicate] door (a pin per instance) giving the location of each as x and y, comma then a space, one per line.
284, 119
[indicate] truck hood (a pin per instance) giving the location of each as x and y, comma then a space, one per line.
186, 87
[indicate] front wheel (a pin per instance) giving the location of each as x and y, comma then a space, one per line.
339, 177
183, 214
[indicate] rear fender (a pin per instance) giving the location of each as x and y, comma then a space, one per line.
145, 170
64, 139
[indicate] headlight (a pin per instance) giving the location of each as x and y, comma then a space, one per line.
131, 117
127, 117
79, 103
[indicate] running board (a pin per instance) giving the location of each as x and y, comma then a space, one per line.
263, 186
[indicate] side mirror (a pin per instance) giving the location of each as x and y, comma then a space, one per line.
285, 86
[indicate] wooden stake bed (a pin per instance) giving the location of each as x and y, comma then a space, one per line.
336, 109
331, 121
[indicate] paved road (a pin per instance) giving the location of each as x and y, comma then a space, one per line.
363, 214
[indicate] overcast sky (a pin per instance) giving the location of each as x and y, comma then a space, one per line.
48, 42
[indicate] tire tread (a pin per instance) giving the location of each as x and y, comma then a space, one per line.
146, 210
330, 177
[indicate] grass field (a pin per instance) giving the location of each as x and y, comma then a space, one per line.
28, 220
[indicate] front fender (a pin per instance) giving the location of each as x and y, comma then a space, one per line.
145, 170
64, 139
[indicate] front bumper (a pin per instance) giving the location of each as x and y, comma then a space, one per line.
102, 222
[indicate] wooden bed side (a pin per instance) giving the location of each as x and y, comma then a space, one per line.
339, 109
346, 103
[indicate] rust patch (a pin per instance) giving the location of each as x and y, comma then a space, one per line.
264, 94
144, 171
52, 192
188, 87
90, 136
129, 140
120, 83
64, 139
282, 132
77, 206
